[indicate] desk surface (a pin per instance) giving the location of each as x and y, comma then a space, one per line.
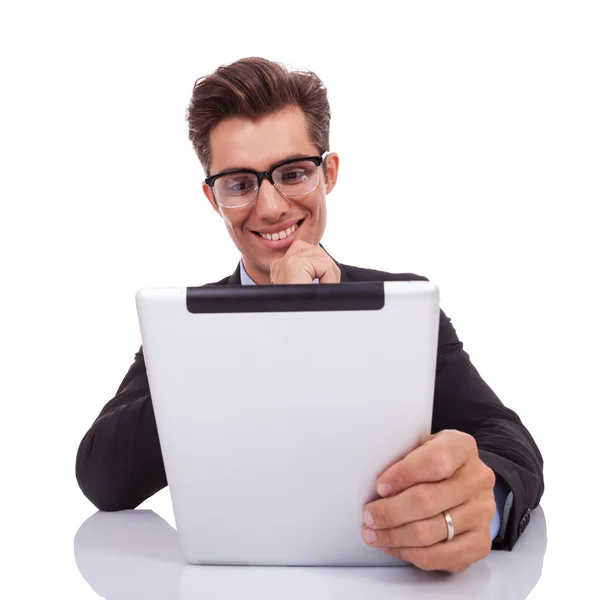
135, 554
56, 545
56, 542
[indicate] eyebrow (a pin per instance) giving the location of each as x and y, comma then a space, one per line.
291, 157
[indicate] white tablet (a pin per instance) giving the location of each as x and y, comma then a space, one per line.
277, 407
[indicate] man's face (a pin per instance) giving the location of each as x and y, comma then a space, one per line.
238, 143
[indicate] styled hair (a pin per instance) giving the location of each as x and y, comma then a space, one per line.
253, 88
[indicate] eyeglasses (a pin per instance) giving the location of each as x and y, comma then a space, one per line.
291, 177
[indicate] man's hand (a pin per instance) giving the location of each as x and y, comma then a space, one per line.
445, 473
303, 263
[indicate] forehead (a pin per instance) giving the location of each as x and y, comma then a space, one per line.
238, 143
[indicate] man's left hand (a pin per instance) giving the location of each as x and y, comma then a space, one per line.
443, 474
303, 263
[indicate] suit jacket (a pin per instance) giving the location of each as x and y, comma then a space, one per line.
119, 462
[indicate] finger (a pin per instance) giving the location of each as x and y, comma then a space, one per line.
421, 501
301, 247
319, 267
454, 556
331, 273
427, 532
301, 265
298, 246
437, 459
326, 270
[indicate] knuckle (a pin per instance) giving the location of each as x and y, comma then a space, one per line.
423, 560
425, 499
463, 436
440, 463
470, 442
402, 478
491, 507
488, 477
485, 505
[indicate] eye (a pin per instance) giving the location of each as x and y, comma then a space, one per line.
292, 174
295, 176
239, 184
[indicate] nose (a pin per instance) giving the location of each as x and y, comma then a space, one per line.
270, 204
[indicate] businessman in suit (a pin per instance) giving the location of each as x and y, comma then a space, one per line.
261, 133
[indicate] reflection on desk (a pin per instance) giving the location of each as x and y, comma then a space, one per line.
136, 554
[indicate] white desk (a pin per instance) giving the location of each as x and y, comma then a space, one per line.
135, 554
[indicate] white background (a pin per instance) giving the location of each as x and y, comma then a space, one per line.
468, 135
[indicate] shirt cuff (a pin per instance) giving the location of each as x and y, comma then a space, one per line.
503, 505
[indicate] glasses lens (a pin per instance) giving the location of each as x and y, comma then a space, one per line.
297, 178
236, 189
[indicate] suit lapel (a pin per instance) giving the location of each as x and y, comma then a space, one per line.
235, 278
343, 274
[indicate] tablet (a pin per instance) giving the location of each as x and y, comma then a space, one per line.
277, 407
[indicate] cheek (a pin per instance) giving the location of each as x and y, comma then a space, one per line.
234, 222
316, 203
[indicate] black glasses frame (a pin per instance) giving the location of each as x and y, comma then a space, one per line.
317, 160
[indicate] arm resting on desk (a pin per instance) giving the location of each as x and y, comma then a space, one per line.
119, 462
465, 402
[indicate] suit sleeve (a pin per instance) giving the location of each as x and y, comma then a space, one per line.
463, 401
119, 462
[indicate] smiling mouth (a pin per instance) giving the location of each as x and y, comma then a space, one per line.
279, 235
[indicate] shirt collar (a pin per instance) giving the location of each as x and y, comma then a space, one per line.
245, 279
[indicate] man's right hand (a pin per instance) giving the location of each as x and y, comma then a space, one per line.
303, 263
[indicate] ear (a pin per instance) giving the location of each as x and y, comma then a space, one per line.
332, 164
210, 197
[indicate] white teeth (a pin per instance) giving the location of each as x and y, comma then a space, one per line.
281, 235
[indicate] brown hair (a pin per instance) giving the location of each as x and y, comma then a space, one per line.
253, 88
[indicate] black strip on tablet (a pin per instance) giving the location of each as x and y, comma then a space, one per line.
286, 298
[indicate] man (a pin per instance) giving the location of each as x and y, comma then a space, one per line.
261, 133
